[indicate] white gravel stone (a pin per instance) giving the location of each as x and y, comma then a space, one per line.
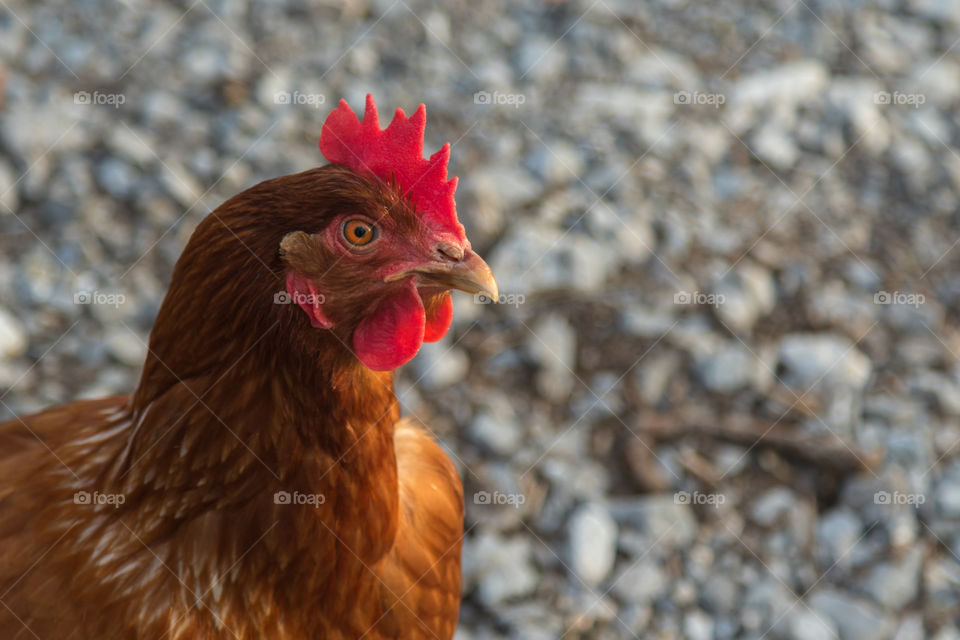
894, 584
823, 359
697, 625
789, 83
730, 369
117, 177
440, 364
560, 162
837, 532
616, 227
775, 147
662, 519
948, 496
641, 582
126, 347
13, 336
804, 624
744, 296
655, 375
911, 629
553, 344
772, 505
593, 542
503, 568
720, 594
855, 99
9, 192
781, 88
854, 618
498, 431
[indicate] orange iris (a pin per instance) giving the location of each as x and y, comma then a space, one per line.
358, 232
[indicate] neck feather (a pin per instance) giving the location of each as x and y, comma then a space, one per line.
237, 404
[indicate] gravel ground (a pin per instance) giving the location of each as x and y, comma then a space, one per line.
720, 396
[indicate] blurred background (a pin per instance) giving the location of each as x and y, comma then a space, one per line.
719, 396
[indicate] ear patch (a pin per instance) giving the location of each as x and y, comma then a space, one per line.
303, 292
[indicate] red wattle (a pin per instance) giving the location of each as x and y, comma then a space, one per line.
391, 335
439, 321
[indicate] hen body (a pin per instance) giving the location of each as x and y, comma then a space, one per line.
156, 515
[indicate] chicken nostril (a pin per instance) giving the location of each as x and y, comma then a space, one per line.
450, 251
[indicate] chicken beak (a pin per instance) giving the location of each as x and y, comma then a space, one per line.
470, 274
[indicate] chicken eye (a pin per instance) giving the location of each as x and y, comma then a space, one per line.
359, 232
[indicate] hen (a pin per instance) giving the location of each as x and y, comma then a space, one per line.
260, 483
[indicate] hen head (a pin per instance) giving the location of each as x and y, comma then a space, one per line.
377, 264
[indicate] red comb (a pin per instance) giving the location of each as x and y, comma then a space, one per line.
395, 153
